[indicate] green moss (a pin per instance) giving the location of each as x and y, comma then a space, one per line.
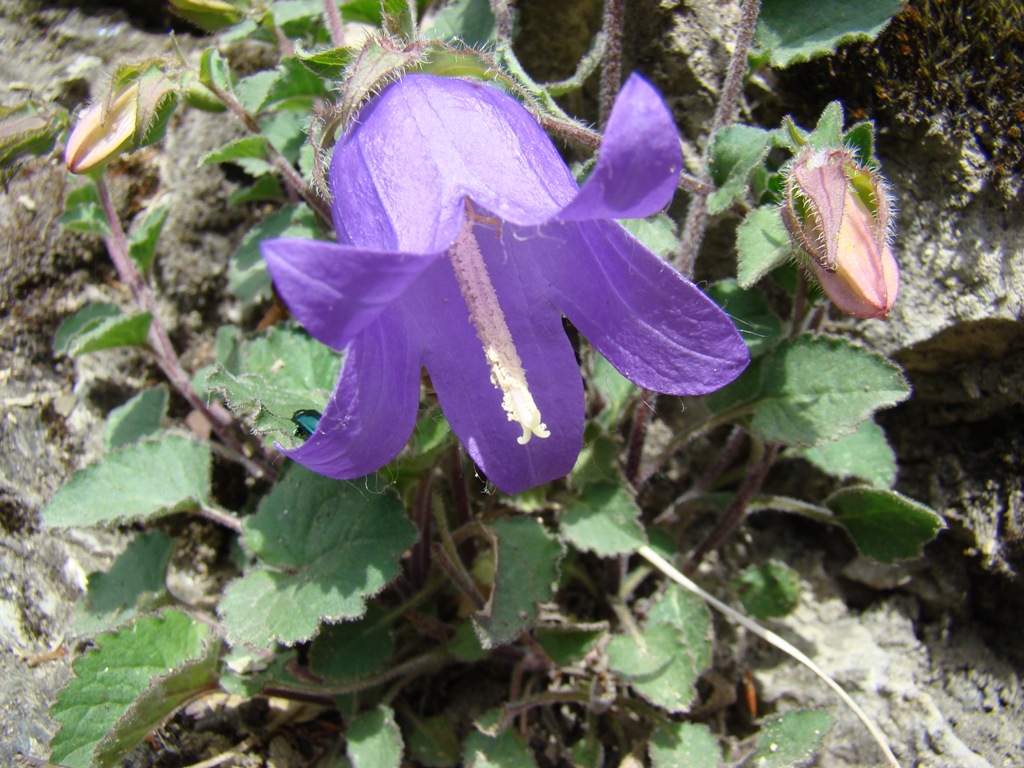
961, 61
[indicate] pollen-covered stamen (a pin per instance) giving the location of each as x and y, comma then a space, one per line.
507, 373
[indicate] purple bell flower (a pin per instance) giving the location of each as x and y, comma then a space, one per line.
462, 241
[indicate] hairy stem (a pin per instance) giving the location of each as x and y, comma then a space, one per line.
697, 216
611, 72
221, 421
756, 475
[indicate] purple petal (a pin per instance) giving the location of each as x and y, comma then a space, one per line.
639, 161
400, 176
454, 357
334, 290
655, 326
372, 412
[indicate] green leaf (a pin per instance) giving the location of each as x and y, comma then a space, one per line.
264, 188
353, 649
209, 15
134, 583
145, 234
565, 645
433, 741
736, 151
604, 519
865, 454
812, 389
165, 654
470, 21
791, 740
791, 31
749, 311
884, 524
506, 750
166, 694
374, 740
245, 148
828, 133
685, 745
294, 88
139, 418
83, 211
657, 232
329, 63
762, 243
248, 278
284, 371
614, 389
139, 481
100, 326
323, 548
527, 571
663, 663
768, 590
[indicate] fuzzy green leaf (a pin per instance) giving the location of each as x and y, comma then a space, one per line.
506, 750
604, 519
323, 547
165, 654
762, 243
470, 21
768, 590
140, 481
139, 418
133, 583
664, 662
565, 645
791, 31
145, 235
353, 649
83, 211
615, 390
749, 311
248, 278
329, 63
736, 151
374, 740
884, 524
245, 148
100, 326
812, 389
790, 740
685, 745
433, 741
657, 232
284, 371
527, 571
865, 454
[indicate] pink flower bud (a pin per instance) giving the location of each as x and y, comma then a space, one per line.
103, 131
134, 113
837, 212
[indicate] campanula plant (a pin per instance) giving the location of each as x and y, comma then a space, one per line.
451, 237
462, 242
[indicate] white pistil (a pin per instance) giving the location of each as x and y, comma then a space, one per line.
507, 373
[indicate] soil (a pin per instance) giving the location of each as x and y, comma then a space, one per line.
930, 648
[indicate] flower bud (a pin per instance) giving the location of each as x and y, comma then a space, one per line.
132, 114
837, 212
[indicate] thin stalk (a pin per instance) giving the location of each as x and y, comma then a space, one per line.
334, 26
697, 216
704, 483
502, 10
221, 518
446, 554
758, 472
292, 179
637, 435
221, 421
419, 558
773, 639
611, 72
